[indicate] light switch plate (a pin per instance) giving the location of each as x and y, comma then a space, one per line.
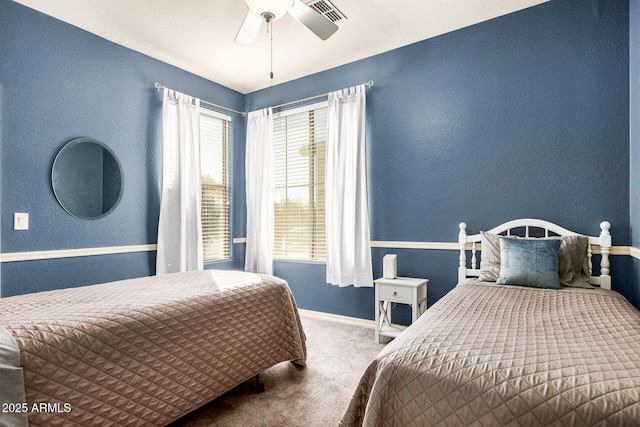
20, 221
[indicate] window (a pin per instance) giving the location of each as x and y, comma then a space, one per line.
214, 163
300, 143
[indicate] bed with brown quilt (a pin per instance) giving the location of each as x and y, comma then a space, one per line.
513, 346
143, 351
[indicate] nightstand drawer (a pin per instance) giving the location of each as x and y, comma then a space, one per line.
396, 293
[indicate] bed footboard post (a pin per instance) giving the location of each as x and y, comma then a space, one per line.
258, 387
605, 248
462, 241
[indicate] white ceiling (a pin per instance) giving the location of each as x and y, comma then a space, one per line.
197, 35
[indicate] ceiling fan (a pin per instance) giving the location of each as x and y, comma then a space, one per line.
272, 10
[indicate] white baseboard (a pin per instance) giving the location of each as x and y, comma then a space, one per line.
345, 320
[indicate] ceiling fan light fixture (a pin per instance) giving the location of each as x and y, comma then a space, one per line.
275, 9
271, 10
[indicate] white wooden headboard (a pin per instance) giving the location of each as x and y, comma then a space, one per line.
536, 228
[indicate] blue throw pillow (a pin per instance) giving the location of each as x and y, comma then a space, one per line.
529, 262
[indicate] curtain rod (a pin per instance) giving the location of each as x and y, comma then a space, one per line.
161, 86
367, 84
244, 113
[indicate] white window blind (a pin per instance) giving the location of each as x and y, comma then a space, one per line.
300, 144
214, 159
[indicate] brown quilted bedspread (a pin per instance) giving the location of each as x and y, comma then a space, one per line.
489, 355
147, 351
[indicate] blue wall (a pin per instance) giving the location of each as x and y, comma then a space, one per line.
523, 115
526, 115
634, 133
57, 83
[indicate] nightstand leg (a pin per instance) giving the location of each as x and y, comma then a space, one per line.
377, 315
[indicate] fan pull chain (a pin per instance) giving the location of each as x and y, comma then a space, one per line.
270, 25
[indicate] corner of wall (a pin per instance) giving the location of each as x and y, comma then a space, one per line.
634, 143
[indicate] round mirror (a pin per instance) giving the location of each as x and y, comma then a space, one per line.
87, 178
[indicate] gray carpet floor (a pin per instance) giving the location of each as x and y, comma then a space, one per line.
316, 395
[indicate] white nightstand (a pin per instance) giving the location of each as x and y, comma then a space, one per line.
402, 290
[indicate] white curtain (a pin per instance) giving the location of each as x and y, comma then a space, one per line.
180, 226
260, 181
347, 212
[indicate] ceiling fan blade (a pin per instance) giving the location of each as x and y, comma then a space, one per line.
311, 19
249, 29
